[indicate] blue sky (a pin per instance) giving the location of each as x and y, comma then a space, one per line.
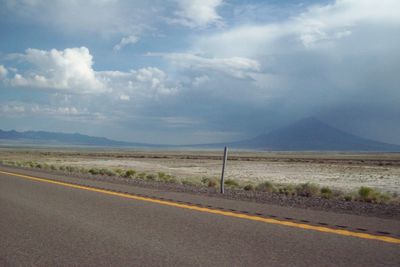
200, 71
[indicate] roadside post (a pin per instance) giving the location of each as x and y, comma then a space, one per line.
223, 170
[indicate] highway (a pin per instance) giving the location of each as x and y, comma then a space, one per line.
48, 220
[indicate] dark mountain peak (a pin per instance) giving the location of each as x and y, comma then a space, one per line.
311, 134
309, 124
308, 121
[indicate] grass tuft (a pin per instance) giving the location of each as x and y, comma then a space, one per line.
307, 190
266, 187
326, 192
249, 187
209, 182
129, 173
150, 177
368, 194
231, 183
287, 189
141, 175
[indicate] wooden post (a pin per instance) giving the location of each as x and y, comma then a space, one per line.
223, 170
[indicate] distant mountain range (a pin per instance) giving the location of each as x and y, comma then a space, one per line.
51, 138
305, 135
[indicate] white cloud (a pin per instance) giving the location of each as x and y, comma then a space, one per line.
334, 21
3, 72
237, 67
124, 97
69, 69
11, 109
317, 25
131, 39
200, 80
143, 83
198, 13
14, 109
105, 17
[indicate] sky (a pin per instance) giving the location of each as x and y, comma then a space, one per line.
199, 71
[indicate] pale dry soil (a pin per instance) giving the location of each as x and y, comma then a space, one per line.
343, 171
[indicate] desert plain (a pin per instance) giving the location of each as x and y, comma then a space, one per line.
344, 171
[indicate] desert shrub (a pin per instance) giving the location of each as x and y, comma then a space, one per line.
209, 182
212, 183
72, 169
62, 168
107, 172
307, 190
188, 182
45, 166
93, 171
348, 197
231, 183
166, 178
68, 169
53, 167
326, 192
161, 175
102, 171
384, 198
366, 194
288, 190
83, 170
129, 173
120, 172
150, 177
39, 166
171, 179
205, 180
249, 187
141, 175
266, 187
30, 164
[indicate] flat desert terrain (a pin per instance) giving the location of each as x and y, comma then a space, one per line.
345, 171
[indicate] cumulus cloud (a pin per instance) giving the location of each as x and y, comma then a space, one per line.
144, 83
237, 67
3, 72
131, 39
198, 13
69, 69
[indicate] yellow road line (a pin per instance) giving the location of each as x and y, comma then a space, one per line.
219, 212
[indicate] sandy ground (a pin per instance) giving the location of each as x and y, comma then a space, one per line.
343, 171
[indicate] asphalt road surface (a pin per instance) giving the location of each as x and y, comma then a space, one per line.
48, 224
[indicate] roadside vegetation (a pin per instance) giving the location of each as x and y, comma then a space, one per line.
364, 194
